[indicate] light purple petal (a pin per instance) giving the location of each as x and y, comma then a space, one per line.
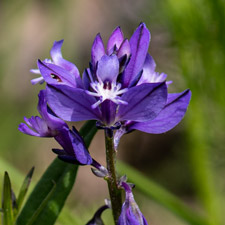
139, 43
72, 104
149, 75
35, 126
37, 80
60, 61
115, 39
144, 102
35, 71
97, 50
170, 115
26, 130
118, 134
148, 69
108, 68
54, 74
124, 49
149, 65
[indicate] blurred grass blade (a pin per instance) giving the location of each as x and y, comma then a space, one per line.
24, 189
7, 205
41, 207
63, 175
161, 195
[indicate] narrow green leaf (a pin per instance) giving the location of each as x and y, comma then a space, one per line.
63, 175
7, 205
41, 207
161, 195
24, 189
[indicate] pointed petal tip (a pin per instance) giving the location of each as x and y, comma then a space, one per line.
142, 24
58, 42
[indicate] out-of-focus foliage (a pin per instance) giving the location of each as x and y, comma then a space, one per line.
197, 32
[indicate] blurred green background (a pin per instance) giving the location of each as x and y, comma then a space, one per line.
188, 43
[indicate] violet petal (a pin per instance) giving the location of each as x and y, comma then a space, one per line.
139, 43
115, 39
54, 74
170, 115
80, 151
97, 50
26, 130
108, 68
72, 104
53, 122
144, 102
124, 49
60, 61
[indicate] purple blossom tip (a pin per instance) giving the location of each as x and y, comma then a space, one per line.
130, 213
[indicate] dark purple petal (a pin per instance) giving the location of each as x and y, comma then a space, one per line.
68, 159
170, 115
53, 122
108, 109
139, 43
144, 102
54, 74
108, 68
97, 50
59, 61
124, 49
80, 150
87, 78
115, 39
74, 147
72, 104
59, 151
64, 140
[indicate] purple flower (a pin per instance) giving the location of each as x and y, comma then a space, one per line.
130, 213
58, 60
120, 87
110, 93
48, 125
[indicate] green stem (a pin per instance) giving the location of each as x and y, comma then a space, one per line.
114, 191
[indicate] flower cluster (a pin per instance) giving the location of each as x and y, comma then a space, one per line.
120, 90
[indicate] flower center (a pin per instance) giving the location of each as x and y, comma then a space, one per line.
107, 90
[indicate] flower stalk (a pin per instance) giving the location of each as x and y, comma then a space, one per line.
114, 191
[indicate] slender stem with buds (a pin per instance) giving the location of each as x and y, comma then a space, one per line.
114, 191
